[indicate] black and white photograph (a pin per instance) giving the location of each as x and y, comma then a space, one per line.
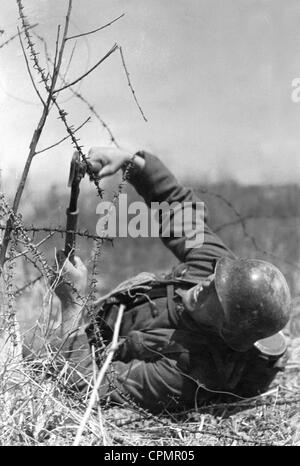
149, 225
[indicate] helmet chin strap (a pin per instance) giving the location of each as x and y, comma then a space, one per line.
225, 338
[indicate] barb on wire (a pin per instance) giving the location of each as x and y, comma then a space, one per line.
91, 302
79, 95
9, 280
64, 138
51, 97
31, 46
20, 232
36, 246
29, 70
96, 114
70, 130
83, 233
16, 35
116, 195
129, 83
62, 113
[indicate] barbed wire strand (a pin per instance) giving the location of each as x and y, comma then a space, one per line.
79, 95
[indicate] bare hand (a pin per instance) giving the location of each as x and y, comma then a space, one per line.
71, 280
106, 161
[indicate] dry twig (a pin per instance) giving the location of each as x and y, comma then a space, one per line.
112, 349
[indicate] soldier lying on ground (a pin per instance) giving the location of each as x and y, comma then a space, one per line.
210, 326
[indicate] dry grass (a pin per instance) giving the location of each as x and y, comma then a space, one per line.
36, 409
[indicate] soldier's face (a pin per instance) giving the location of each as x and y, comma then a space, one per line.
203, 304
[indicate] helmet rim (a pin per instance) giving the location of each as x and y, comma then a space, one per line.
255, 299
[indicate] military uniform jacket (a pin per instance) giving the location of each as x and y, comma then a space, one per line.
165, 359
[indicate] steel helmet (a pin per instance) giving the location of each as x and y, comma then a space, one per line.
255, 298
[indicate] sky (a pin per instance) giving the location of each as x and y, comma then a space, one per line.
214, 78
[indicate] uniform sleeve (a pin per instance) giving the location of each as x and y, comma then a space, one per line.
154, 385
190, 238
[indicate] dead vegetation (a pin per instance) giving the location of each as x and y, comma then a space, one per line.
39, 410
